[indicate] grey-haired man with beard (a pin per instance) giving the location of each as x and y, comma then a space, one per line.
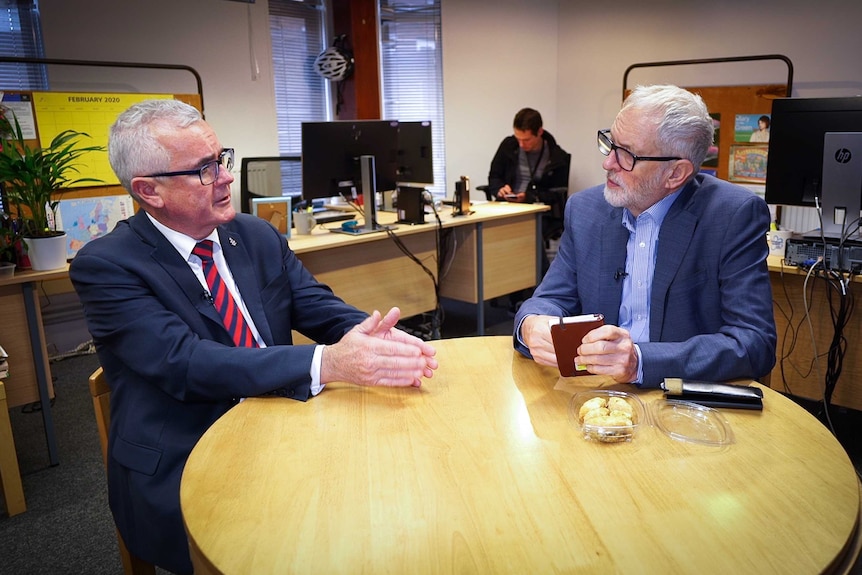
674, 259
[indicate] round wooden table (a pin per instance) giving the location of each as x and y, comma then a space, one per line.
481, 470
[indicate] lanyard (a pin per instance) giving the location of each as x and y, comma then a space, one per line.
538, 161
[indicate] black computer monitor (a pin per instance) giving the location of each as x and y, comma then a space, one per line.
331, 153
801, 171
269, 177
415, 157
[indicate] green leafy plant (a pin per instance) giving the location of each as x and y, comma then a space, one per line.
35, 177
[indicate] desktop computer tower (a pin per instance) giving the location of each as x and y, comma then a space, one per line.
410, 205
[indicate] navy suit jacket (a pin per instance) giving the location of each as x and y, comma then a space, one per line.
172, 367
711, 315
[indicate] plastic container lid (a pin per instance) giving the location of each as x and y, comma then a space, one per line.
691, 422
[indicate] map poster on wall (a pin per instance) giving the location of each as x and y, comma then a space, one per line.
91, 113
85, 219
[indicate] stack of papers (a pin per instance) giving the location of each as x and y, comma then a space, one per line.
4, 364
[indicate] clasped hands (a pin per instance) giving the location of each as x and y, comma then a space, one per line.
375, 352
606, 350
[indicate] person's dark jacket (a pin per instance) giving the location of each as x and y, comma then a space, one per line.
504, 168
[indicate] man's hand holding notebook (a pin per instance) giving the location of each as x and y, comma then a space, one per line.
567, 334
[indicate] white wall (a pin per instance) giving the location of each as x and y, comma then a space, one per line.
215, 37
597, 44
498, 56
565, 58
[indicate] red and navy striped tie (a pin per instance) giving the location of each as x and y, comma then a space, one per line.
222, 299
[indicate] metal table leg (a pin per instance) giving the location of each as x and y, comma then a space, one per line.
39, 358
480, 282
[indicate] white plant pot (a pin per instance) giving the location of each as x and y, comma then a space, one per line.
46, 253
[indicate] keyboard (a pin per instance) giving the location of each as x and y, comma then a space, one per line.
329, 216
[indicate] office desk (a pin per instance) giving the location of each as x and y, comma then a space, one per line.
496, 252
481, 471
23, 338
799, 376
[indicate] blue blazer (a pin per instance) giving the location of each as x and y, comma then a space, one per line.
172, 367
711, 315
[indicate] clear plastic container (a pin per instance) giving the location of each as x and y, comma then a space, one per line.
691, 422
601, 416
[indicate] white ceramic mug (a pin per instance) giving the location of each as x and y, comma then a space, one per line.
304, 222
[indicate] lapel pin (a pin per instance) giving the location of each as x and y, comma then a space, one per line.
232, 242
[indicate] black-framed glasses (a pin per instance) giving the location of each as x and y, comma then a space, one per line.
208, 173
625, 158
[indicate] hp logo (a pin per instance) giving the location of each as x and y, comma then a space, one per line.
843, 156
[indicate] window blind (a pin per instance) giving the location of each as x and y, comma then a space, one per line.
411, 59
298, 35
297, 30
20, 37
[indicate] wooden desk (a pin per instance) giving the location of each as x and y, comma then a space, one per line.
799, 376
496, 251
23, 338
481, 471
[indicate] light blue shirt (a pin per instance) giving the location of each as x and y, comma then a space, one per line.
641, 251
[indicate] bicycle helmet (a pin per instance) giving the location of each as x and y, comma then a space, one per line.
334, 63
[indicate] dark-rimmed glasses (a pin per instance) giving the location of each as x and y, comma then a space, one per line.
625, 158
208, 173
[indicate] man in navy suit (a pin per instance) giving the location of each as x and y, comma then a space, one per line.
674, 260
171, 364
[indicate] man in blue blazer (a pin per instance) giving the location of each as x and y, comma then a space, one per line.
674, 260
172, 366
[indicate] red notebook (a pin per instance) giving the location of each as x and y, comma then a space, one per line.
567, 334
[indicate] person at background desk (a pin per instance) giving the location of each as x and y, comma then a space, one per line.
674, 259
150, 302
528, 162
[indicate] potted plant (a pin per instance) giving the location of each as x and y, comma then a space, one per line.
33, 179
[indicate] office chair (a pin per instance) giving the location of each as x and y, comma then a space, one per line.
555, 198
11, 489
101, 394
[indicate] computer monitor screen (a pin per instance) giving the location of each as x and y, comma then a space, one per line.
269, 177
415, 158
798, 127
331, 152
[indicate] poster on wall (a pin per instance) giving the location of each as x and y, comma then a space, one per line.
85, 219
18, 106
748, 163
753, 128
